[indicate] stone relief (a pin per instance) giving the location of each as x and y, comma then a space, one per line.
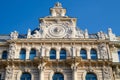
14, 35
9, 73
12, 48
103, 51
106, 73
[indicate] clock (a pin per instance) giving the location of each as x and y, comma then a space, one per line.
57, 31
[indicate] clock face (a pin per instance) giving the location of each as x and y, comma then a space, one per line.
57, 31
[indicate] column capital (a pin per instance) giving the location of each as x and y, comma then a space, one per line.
74, 66
41, 66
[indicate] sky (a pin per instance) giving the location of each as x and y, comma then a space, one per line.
94, 15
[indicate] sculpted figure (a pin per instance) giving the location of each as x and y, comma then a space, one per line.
12, 49
103, 51
101, 35
29, 33
9, 72
80, 34
86, 33
14, 35
111, 35
37, 34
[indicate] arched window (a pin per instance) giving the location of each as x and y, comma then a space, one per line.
32, 54
93, 54
25, 76
90, 76
23, 54
63, 54
83, 54
58, 76
119, 55
52, 54
4, 55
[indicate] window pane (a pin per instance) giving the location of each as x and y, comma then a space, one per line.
93, 54
58, 76
83, 54
23, 54
25, 76
91, 76
32, 54
63, 54
4, 55
53, 54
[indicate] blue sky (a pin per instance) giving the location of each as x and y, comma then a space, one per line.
94, 15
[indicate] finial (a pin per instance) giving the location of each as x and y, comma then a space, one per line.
58, 5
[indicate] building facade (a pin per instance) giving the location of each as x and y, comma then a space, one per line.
58, 50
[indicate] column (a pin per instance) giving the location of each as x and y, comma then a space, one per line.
73, 51
78, 52
88, 53
74, 71
58, 53
37, 52
48, 52
41, 71
27, 53
42, 51
1, 54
